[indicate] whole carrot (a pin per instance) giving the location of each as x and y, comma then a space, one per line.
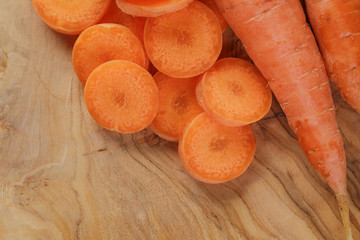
336, 24
279, 41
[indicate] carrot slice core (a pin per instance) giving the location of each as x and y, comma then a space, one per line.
121, 96
234, 92
214, 153
184, 43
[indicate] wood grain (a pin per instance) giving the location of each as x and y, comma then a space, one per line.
64, 177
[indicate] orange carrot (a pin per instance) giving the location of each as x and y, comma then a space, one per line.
115, 15
336, 24
138, 28
152, 69
281, 44
151, 8
234, 92
214, 153
184, 43
177, 106
212, 5
105, 42
71, 17
121, 96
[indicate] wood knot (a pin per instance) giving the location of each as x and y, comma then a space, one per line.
5, 129
3, 61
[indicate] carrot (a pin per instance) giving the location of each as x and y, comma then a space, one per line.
151, 8
115, 15
214, 153
177, 106
281, 44
152, 69
71, 17
234, 92
336, 24
212, 5
184, 43
138, 28
102, 43
121, 96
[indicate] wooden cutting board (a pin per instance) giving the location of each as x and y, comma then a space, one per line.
64, 177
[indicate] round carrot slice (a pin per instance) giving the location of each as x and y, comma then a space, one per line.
151, 8
105, 42
121, 96
234, 92
184, 43
71, 17
177, 106
214, 153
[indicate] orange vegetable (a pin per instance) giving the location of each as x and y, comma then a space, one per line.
177, 106
336, 24
121, 96
214, 153
234, 92
71, 17
212, 5
105, 42
151, 8
115, 15
184, 43
281, 44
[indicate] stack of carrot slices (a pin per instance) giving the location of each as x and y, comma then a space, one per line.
205, 103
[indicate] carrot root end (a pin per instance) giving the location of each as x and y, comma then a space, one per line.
344, 211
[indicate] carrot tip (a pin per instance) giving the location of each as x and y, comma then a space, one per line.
344, 211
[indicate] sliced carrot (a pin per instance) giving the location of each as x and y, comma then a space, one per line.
105, 42
135, 24
152, 69
177, 106
71, 17
138, 27
115, 15
212, 5
184, 43
234, 92
214, 153
121, 96
151, 8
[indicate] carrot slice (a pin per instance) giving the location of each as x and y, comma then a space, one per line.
115, 15
105, 42
177, 106
184, 43
71, 17
214, 153
212, 5
151, 8
234, 92
121, 96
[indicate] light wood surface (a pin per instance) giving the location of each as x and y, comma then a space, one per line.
64, 177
